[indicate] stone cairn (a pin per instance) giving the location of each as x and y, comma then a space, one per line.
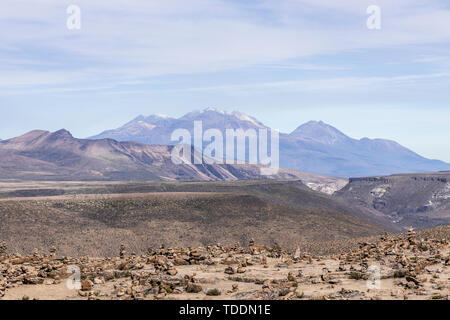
3, 248
122, 251
53, 251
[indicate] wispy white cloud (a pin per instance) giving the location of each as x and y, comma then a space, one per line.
341, 84
304, 66
141, 39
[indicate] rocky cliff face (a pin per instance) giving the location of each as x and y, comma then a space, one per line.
420, 200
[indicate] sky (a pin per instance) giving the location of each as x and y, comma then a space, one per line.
284, 62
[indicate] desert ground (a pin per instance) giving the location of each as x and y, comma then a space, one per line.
406, 266
95, 219
208, 240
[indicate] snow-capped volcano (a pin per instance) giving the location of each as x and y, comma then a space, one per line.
314, 147
157, 129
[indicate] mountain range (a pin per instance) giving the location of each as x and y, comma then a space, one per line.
417, 199
314, 147
43, 155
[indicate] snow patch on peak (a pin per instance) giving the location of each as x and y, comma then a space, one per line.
244, 117
160, 115
213, 109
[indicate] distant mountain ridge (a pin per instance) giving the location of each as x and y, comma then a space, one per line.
314, 147
43, 155
319, 131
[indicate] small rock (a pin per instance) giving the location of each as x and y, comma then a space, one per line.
86, 285
241, 270
230, 270
194, 288
99, 280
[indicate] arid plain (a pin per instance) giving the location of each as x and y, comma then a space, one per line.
255, 239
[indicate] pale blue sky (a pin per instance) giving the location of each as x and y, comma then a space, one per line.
284, 62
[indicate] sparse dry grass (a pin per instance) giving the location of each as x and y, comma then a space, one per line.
95, 224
